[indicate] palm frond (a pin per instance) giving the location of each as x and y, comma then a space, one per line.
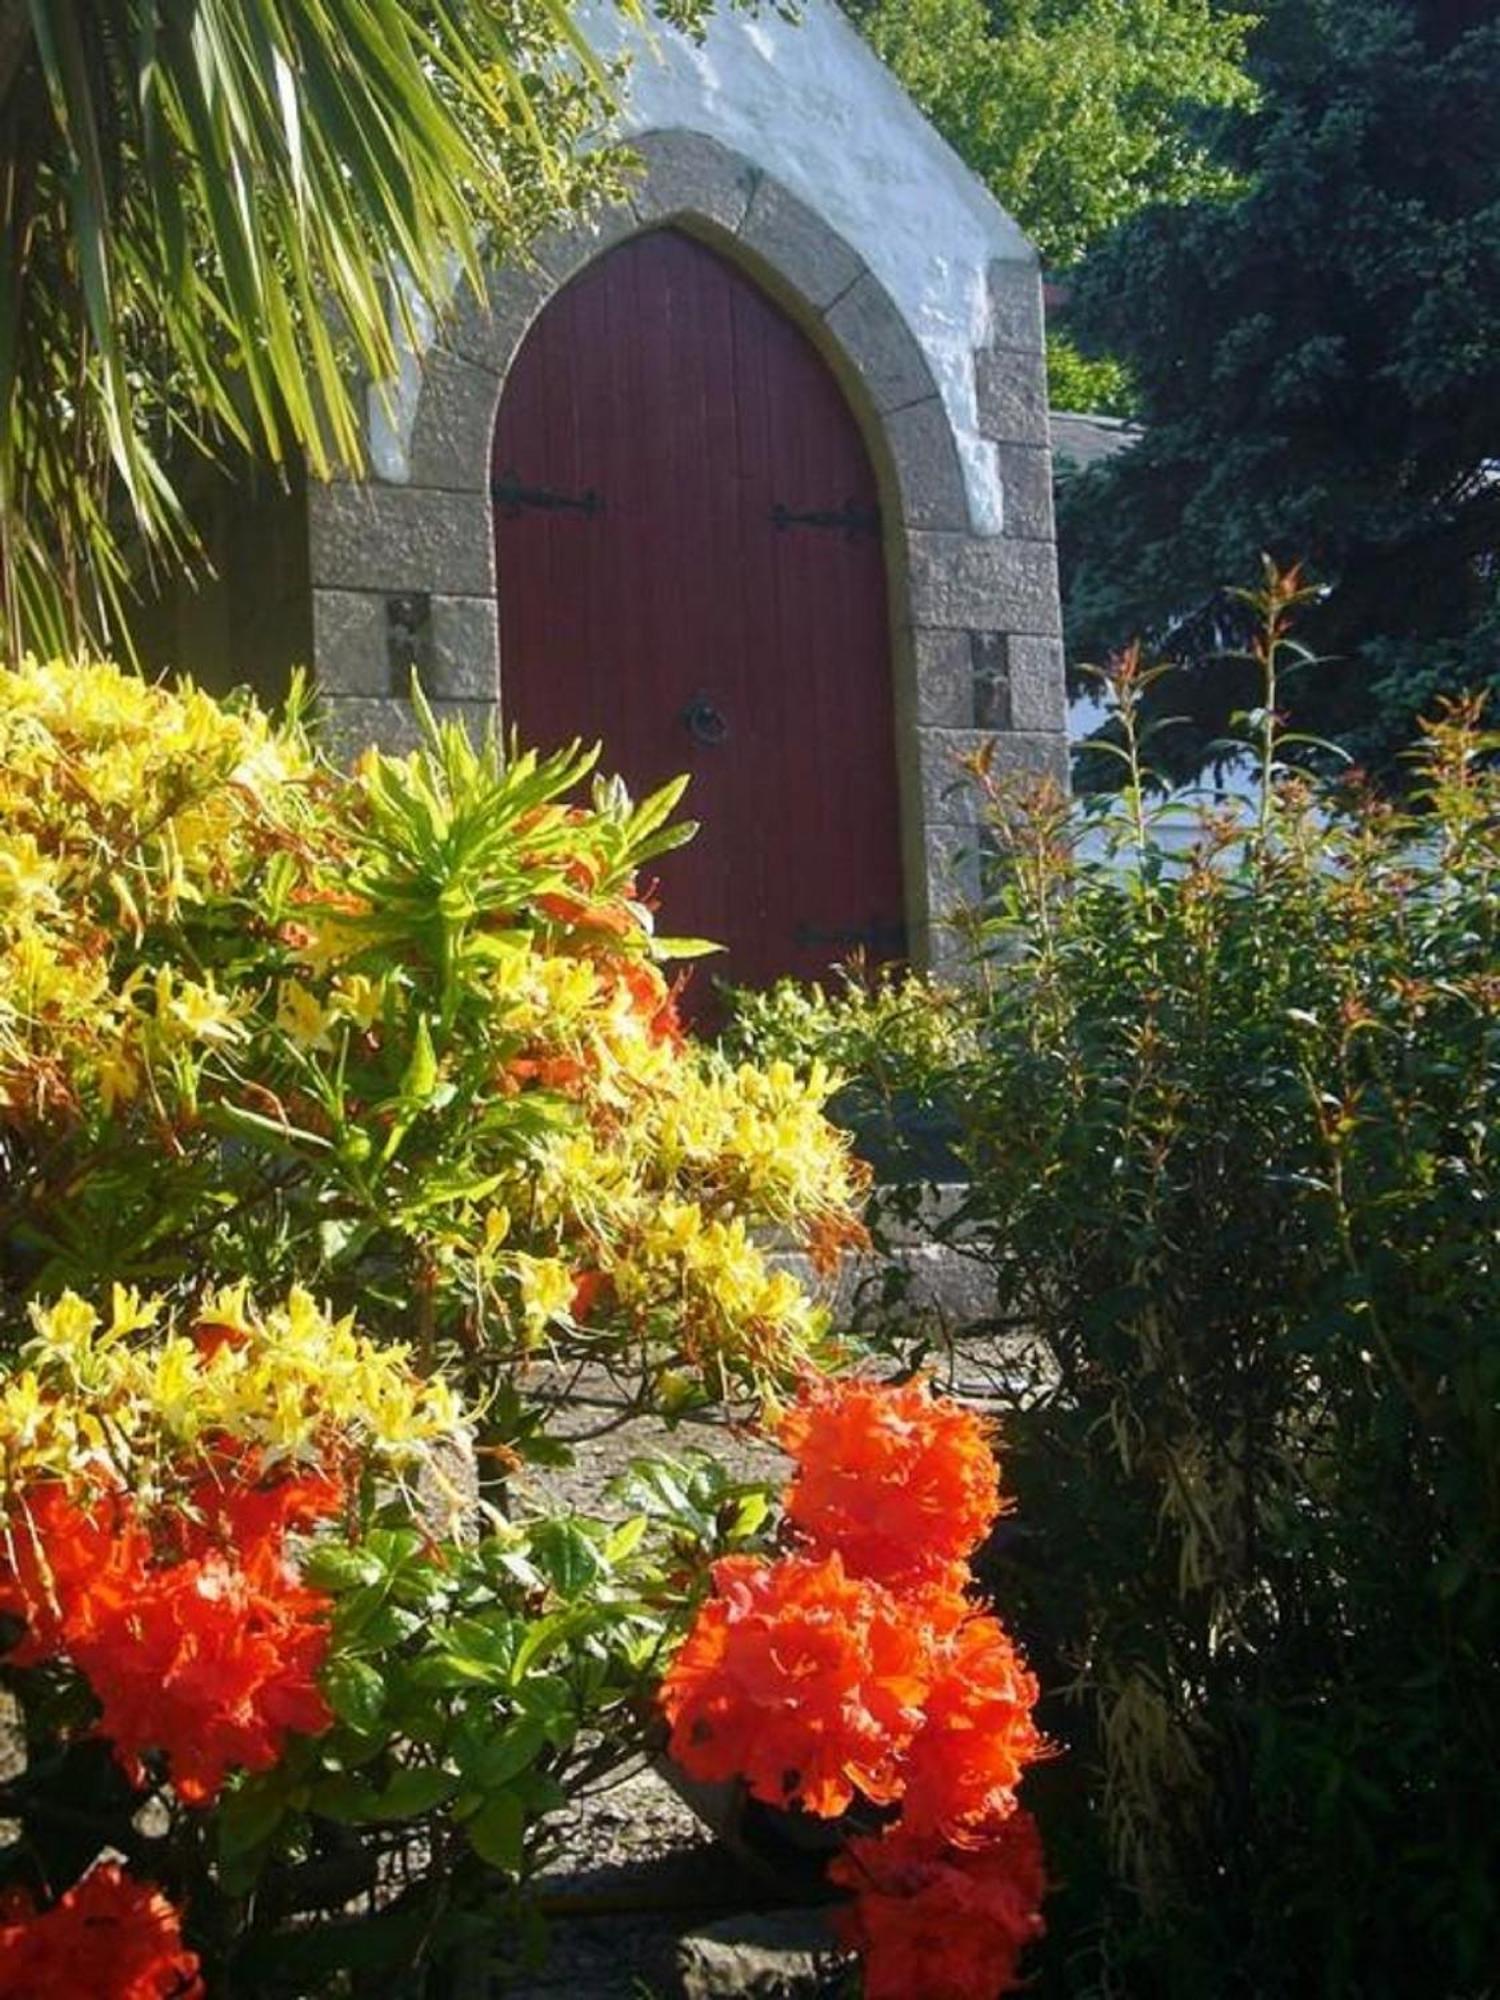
214, 221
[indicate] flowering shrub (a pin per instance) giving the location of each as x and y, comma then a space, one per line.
860, 1672
408, 1027
344, 1122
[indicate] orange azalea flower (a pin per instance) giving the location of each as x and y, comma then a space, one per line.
65, 1568
942, 1922
650, 998
805, 1682
588, 1287
977, 1739
109, 1937
213, 1665
573, 910
246, 1511
209, 1337
902, 1483
210, 1655
564, 1074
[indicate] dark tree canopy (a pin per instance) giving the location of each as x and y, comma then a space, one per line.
1318, 370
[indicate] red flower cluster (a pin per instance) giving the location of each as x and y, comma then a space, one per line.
860, 1668
948, 1923
977, 1736
206, 1649
902, 1483
805, 1682
109, 1937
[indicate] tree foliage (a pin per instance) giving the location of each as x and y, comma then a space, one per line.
193, 198
1318, 368
1071, 111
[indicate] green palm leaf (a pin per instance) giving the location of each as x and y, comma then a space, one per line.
194, 195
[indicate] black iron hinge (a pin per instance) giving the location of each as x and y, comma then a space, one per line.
854, 518
512, 498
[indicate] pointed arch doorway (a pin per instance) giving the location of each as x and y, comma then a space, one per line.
689, 567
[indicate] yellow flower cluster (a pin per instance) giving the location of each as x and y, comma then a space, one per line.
665, 1202
120, 803
760, 1136
98, 1399
659, 1191
718, 1287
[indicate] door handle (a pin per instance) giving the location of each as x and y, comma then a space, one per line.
704, 723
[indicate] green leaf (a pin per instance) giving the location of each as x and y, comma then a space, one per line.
345, 1798
683, 947
249, 1815
549, 1633
497, 1832
508, 1754
625, 1539
412, 1792
356, 1693
389, 1625
279, 1136
750, 1515
421, 1073
333, 1567
456, 1670
565, 1556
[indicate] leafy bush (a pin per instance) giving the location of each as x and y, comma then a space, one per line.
891, 1040
345, 1126
1077, 381
1232, 1133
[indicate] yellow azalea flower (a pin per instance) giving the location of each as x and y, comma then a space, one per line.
496, 1228
119, 1078
547, 1287
29, 880
358, 998
302, 1017
188, 1010
292, 1382
227, 1306
129, 1312
563, 987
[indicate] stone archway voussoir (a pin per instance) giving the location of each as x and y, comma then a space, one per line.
691, 176
457, 407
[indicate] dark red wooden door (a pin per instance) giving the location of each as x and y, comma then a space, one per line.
690, 569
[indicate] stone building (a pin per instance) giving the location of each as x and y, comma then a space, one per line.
750, 478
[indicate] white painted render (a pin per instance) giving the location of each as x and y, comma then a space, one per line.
810, 103
391, 407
